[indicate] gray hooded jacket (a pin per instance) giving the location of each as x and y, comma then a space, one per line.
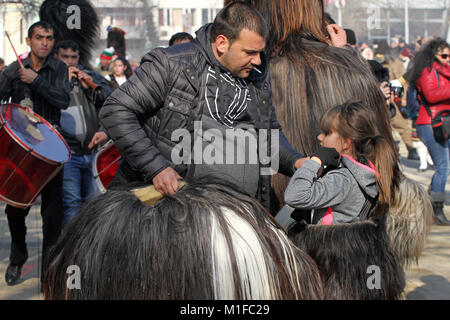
339, 190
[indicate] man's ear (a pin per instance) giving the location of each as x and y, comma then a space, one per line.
28, 40
222, 43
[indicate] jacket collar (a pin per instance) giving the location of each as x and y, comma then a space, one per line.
50, 62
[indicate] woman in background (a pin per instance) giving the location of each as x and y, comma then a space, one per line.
431, 76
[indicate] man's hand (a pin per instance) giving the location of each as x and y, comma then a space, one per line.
98, 138
84, 76
299, 162
73, 72
384, 86
27, 75
166, 182
337, 34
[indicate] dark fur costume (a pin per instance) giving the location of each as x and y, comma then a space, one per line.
116, 39
55, 12
205, 242
344, 252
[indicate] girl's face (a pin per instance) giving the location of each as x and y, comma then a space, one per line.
119, 68
334, 140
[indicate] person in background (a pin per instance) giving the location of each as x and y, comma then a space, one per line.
180, 37
367, 53
45, 80
78, 182
104, 68
119, 74
431, 77
351, 37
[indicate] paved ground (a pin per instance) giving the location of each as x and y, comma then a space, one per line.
430, 279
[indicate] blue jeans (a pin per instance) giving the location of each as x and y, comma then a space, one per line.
78, 185
439, 152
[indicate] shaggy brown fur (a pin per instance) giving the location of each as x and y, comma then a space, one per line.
409, 221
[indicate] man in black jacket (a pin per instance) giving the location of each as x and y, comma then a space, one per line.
42, 84
80, 128
216, 83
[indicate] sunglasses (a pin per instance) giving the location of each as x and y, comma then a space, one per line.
444, 56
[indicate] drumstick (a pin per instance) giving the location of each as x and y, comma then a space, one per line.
18, 58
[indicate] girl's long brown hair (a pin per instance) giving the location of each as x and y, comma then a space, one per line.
359, 122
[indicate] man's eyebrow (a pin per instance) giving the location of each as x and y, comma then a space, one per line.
251, 51
44, 35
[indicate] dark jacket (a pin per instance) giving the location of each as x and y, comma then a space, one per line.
50, 91
90, 110
165, 93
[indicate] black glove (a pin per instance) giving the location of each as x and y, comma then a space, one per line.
328, 156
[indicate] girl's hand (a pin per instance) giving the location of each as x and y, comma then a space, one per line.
327, 156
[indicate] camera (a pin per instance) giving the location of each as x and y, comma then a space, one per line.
396, 87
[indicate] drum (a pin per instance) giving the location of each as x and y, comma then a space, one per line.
31, 153
105, 165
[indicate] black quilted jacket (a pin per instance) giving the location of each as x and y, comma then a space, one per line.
164, 94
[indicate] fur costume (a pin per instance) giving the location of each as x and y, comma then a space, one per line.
205, 242
56, 13
409, 221
347, 254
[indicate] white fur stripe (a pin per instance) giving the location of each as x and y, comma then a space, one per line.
258, 272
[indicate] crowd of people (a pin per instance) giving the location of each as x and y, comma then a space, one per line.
339, 150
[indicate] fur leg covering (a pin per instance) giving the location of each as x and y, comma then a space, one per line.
351, 257
409, 220
84, 34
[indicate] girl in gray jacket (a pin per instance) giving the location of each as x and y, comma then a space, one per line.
351, 141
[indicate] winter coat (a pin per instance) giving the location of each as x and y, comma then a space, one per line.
167, 93
336, 197
90, 122
434, 85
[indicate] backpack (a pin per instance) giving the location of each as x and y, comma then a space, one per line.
412, 102
412, 99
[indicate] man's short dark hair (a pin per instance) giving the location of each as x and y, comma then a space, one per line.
180, 36
40, 24
351, 36
235, 17
67, 44
2, 62
329, 19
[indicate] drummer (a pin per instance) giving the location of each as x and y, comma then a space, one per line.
43, 85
